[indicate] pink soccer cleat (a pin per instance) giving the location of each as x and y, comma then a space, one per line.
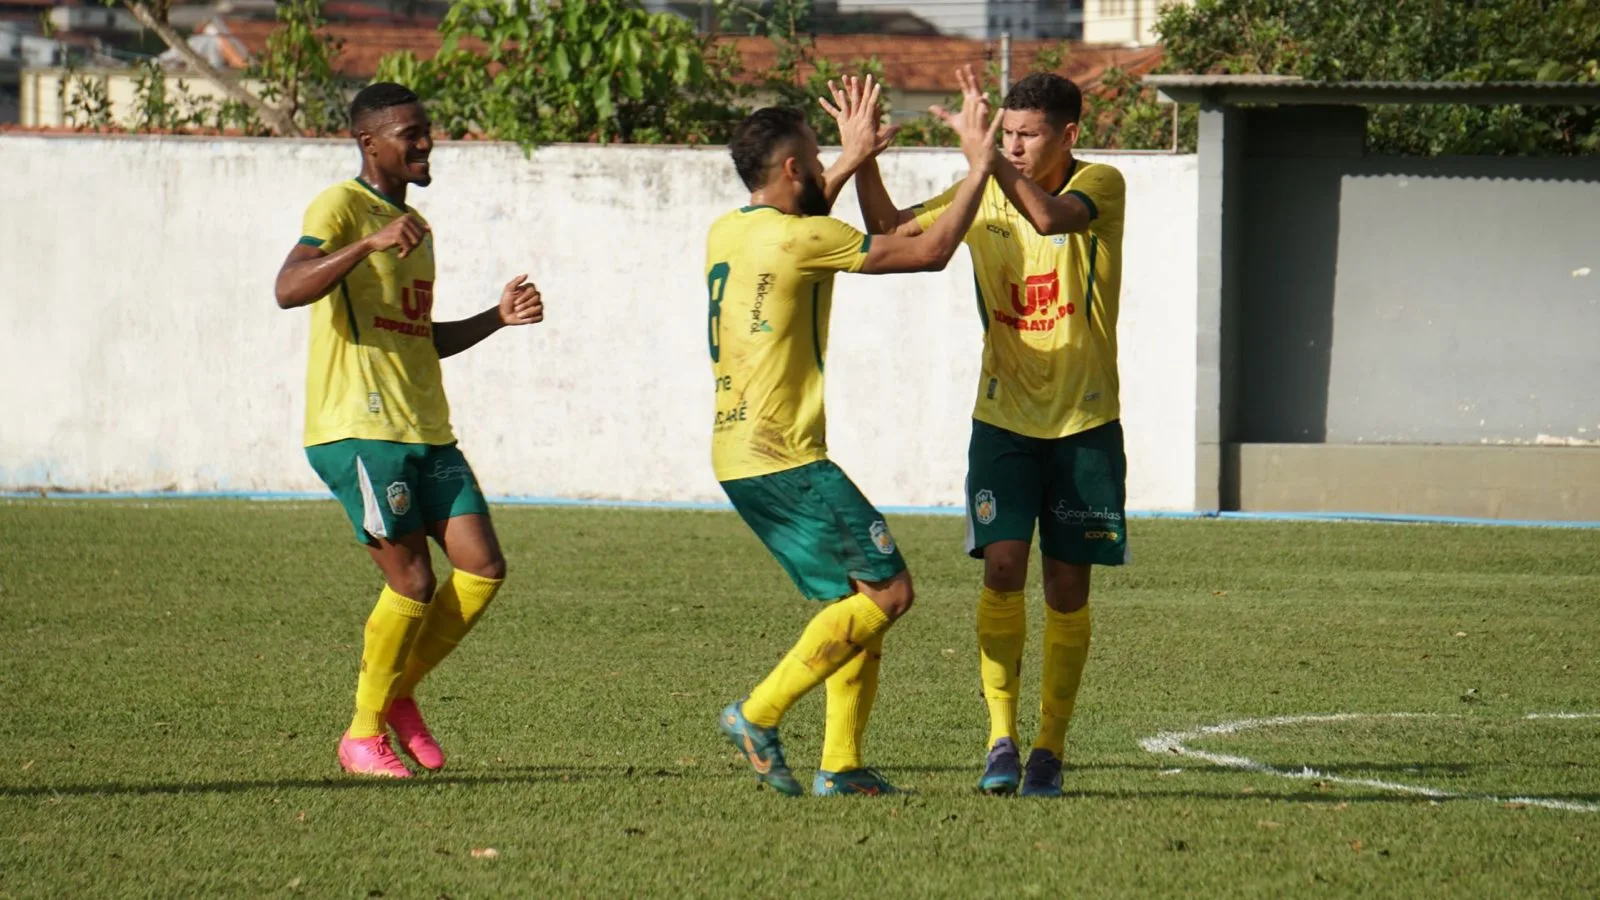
406, 720
371, 756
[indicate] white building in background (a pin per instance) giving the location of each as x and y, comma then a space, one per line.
1127, 22
988, 19
20, 48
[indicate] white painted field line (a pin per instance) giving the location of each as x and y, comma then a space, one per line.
1176, 742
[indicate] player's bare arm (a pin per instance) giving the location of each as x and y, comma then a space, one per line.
878, 209
862, 133
308, 273
520, 304
930, 251
1047, 213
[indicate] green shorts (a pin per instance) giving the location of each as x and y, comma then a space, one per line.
819, 526
390, 489
1074, 486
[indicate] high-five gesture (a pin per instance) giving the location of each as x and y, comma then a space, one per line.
855, 107
973, 124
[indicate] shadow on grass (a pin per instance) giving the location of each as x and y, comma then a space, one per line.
976, 768
1137, 789
511, 775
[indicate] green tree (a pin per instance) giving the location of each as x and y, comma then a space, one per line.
1410, 40
797, 76
927, 131
298, 90
569, 70
296, 69
152, 14
1120, 113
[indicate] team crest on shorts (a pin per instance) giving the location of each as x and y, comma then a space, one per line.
983, 506
399, 498
881, 538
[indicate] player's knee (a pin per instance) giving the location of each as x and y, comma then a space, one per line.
1005, 571
897, 597
414, 584
1067, 590
493, 568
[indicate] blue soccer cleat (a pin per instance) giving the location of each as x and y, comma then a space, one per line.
1004, 770
866, 782
761, 747
1042, 778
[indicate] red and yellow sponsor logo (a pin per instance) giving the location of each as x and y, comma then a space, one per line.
416, 302
413, 329
1036, 304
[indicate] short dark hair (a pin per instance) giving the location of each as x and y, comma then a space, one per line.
1058, 98
759, 136
379, 96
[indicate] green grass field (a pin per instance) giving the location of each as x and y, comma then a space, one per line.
174, 675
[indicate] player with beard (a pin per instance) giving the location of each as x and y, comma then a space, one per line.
769, 274
377, 427
1046, 432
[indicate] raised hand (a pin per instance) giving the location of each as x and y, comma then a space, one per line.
973, 124
521, 303
856, 108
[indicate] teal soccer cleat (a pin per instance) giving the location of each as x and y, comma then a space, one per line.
1003, 772
761, 747
867, 782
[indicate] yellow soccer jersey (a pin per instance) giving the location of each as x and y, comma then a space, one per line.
372, 371
1049, 306
770, 283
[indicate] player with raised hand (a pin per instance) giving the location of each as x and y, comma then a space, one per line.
770, 269
377, 426
1046, 433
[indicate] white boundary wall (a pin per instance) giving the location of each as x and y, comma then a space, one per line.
142, 349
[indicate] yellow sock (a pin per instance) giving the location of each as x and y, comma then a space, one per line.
851, 691
391, 630
1066, 649
455, 609
1002, 634
829, 641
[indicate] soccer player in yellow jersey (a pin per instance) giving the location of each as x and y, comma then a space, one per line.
769, 274
1046, 432
377, 424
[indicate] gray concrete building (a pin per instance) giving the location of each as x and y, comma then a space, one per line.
1416, 336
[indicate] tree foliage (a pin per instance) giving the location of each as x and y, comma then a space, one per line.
296, 71
569, 70
1410, 40
290, 89
798, 75
540, 71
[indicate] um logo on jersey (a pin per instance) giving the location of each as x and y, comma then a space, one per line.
1036, 304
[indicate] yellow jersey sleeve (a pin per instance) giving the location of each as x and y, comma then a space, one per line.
824, 245
1102, 189
329, 224
929, 212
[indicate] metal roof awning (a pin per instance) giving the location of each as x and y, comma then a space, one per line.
1232, 90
